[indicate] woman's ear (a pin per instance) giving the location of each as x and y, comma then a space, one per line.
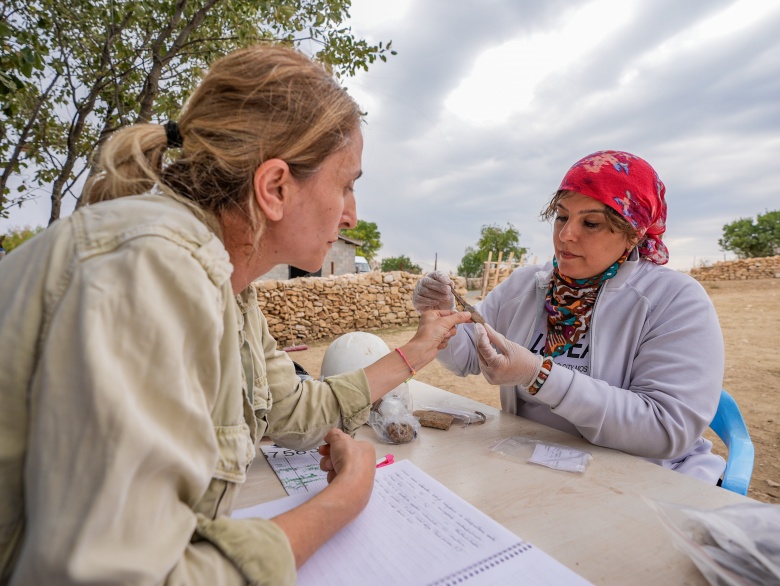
271, 183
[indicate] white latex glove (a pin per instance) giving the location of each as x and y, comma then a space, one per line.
515, 365
433, 292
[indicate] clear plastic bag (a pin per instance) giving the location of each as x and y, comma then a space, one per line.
547, 454
736, 545
392, 420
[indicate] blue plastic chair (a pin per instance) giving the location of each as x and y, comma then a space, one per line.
731, 429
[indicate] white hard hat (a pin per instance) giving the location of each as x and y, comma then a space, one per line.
352, 351
357, 350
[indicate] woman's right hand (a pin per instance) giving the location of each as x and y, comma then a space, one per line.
433, 292
342, 456
351, 466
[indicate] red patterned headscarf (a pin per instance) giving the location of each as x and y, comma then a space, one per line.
631, 187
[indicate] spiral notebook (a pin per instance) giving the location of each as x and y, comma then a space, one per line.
416, 531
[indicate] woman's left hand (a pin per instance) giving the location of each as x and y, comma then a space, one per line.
514, 365
440, 325
434, 331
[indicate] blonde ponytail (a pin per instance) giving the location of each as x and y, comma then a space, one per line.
130, 163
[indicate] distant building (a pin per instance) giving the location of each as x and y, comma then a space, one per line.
340, 260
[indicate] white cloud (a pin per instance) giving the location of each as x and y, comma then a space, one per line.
504, 78
714, 31
377, 13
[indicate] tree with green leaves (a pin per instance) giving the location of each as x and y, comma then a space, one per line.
18, 236
493, 238
21, 53
400, 263
749, 239
368, 234
471, 264
107, 65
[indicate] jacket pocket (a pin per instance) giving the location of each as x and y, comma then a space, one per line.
236, 451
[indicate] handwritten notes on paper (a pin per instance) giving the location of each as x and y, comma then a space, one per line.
298, 471
416, 531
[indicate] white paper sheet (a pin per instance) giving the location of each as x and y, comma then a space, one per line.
416, 531
298, 471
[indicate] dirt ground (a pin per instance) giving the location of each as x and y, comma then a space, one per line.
749, 313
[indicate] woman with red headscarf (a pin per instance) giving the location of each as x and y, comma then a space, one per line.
606, 343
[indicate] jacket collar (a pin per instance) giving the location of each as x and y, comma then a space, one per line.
625, 271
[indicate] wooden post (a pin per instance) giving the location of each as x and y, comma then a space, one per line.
509, 264
498, 264
485, 273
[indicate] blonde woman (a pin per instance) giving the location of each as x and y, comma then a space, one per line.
137, 371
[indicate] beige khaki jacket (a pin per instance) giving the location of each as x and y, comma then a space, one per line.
134, 388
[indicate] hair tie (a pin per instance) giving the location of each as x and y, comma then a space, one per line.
173, 135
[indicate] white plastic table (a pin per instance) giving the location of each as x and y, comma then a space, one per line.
596, 523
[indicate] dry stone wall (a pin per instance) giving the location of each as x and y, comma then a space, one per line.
474, 283
739, 270
304, 310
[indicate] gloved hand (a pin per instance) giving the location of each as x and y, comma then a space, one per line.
515, 365
433, 292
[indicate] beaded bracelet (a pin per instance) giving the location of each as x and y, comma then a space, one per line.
544, 372
407, 364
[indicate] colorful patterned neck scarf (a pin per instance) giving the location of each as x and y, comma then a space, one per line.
569, 305
631, 187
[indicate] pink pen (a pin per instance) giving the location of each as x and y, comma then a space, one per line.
384, 461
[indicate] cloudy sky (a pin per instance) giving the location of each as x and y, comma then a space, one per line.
489, 102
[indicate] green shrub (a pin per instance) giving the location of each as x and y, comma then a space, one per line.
18, 236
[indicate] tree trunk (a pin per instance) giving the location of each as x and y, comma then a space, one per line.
83, 110
160, 59
151, 87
